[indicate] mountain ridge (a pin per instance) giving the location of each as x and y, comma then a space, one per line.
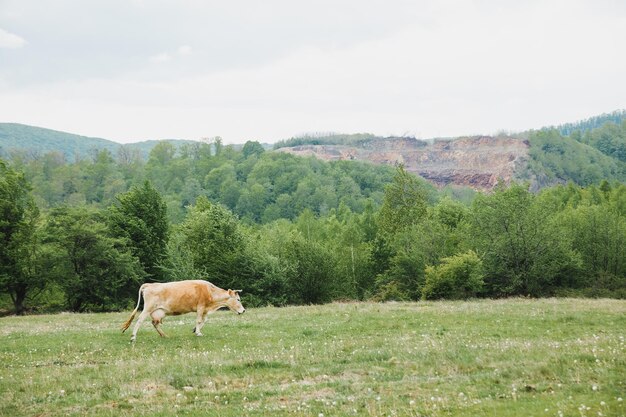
542, 157
34, 139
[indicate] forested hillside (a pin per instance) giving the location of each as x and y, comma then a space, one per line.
21, 140
585, 157
256, 185
591, 123
585, 153
83, 235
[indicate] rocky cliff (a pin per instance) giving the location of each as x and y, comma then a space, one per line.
477, 162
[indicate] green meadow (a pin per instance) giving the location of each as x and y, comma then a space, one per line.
515, 357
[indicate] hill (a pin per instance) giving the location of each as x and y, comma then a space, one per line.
556, 159
477, 162
584, 152
37, 141
592, 150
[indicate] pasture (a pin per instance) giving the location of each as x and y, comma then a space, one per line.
550, 357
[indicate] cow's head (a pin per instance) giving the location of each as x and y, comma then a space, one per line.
234, 302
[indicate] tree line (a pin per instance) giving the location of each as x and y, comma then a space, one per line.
83, 236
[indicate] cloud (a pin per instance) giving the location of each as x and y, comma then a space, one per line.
162, 57
10, 40
460, 68
185, 50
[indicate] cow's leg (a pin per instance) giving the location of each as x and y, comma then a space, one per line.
157, 318
144, 314
199, 321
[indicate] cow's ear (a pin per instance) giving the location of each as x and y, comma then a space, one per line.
231, 292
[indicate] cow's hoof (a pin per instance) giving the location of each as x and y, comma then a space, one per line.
133, 339
199, 334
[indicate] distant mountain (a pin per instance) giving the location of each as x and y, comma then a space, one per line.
33, 141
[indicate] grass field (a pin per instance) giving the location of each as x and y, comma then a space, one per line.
554, 357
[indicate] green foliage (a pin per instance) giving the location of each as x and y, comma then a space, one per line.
523, 249
212, 237
592, 123
251, 148
390, 291
292, 230
20, 272
597, 229
610, 139
327, 139
310, 279
96, 271
557, 159
458, 277
17, 140
404, 203
140, 217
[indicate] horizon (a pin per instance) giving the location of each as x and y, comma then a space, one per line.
130, 141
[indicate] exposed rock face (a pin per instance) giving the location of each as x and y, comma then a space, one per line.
478, 162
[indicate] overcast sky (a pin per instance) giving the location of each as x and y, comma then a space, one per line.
130, 70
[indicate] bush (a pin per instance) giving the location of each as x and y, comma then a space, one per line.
390, 292
311, 279
458, 277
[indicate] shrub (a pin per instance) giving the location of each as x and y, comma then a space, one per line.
390, 291
457, 277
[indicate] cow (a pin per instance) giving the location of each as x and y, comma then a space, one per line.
180, 297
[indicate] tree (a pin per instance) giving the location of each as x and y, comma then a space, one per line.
95, 270
404, 203
252, 148
598, 234
140, 216
160, 164
19, 241
101, 174
397, 252
406, 264
311, 278
211, 235
353, 260
523, 249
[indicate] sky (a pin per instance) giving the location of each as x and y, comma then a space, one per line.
131, 70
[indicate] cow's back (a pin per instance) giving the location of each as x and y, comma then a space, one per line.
178, 297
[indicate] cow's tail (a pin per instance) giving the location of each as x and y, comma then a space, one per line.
127, 323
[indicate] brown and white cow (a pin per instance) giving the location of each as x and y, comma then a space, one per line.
180, 297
